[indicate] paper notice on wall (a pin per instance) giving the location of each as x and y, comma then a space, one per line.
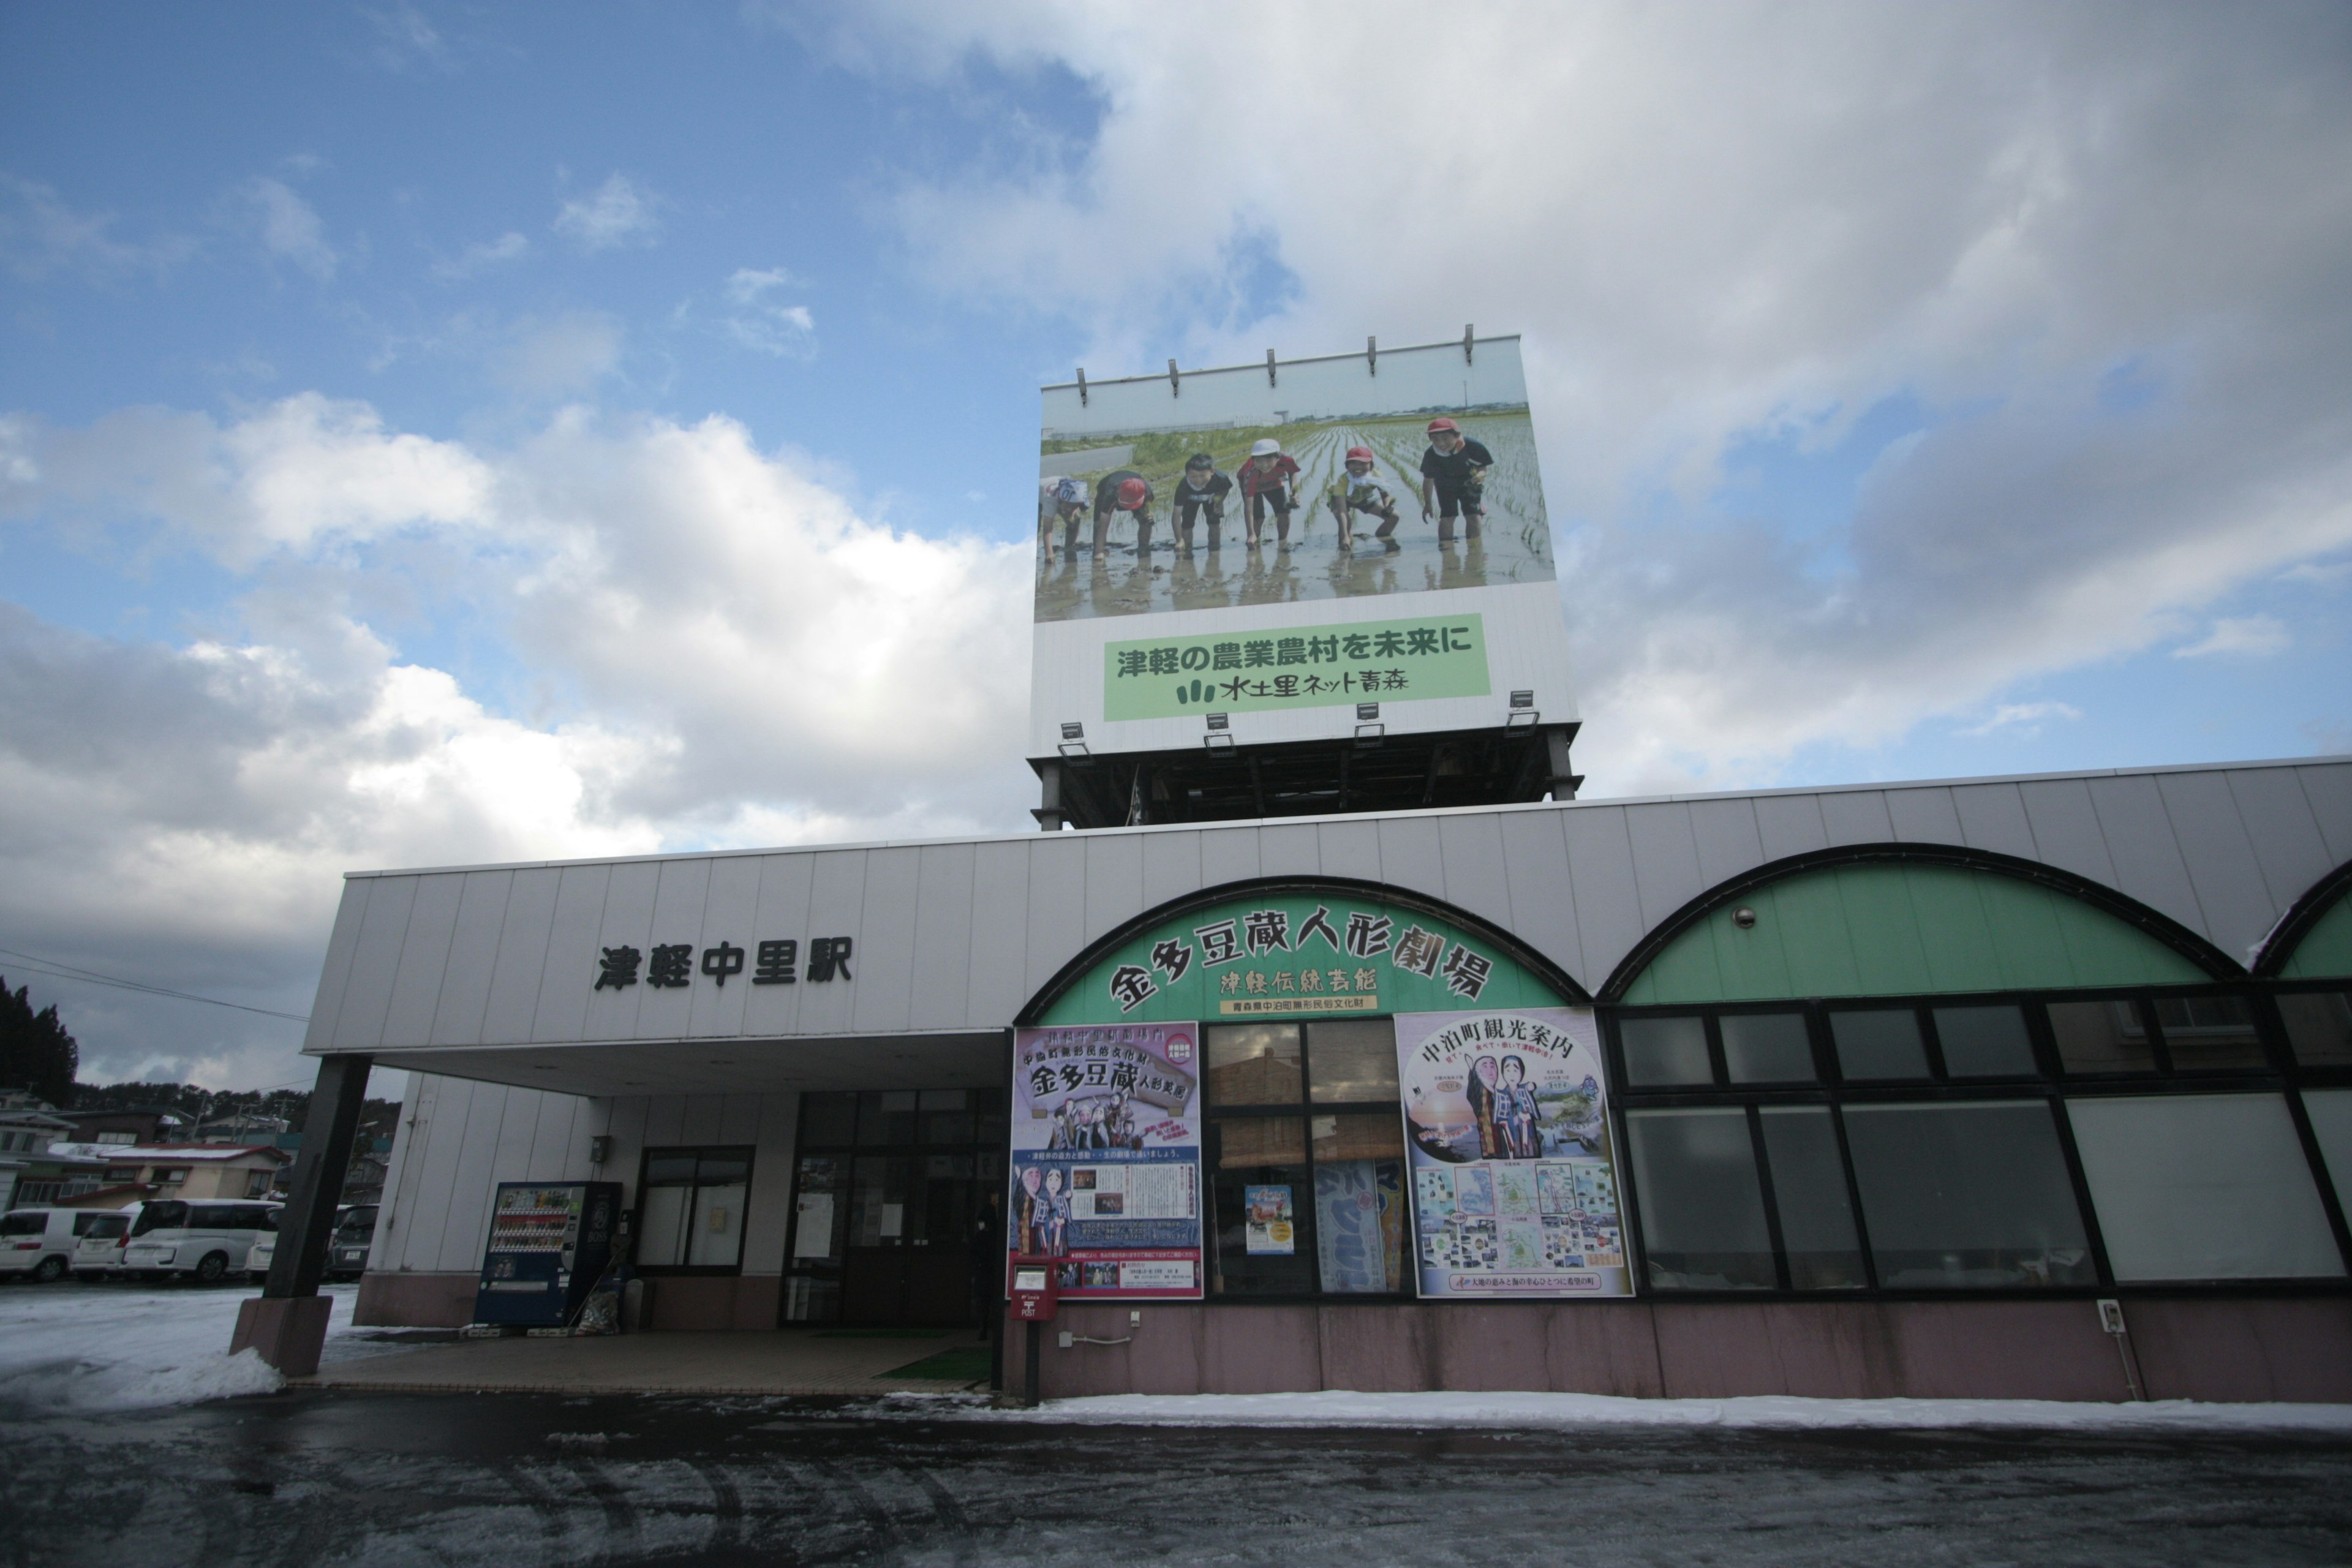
1272, 1222
813, 1233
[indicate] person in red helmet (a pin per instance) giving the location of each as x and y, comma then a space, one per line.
1123, 490
1265, 480
1358, 489
1453, 474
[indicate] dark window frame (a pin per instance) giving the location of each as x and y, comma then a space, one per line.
2050, 1084
750, 1154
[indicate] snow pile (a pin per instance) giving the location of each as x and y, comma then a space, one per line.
1341, 1408
132, 1347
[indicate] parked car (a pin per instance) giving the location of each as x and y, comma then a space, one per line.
347, 1249
98, 1245
206, 1242
37, 1243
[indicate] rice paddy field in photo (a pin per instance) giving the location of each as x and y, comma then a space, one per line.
1514, 545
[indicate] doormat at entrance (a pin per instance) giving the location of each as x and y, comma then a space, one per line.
964, 1363
882, 1333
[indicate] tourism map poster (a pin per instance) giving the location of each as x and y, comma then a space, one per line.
1106, 1171
1514, 1178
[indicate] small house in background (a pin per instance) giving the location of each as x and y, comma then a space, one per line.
138, 1172
141, 1125
28, 1125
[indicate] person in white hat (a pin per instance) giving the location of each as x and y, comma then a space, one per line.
1264, 480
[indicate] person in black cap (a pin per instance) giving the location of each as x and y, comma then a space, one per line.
1454, 474
1201, 489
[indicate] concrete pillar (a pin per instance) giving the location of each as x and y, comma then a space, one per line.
289, 1323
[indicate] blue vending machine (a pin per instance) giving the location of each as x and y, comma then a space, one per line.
550, 1243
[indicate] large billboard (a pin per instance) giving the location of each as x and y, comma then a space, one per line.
1278, 543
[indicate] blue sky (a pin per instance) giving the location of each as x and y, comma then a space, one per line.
435, 433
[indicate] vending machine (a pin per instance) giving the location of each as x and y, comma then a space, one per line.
550, 1243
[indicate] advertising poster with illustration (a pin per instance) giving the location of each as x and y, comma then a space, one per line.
1106, 1171
1514, 1178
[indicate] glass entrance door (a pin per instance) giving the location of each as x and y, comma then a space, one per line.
888, 1186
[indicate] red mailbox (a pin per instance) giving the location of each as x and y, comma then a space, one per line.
1035, 1292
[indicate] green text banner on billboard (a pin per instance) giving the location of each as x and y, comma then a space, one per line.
1309, 667
1297, 954
1107, 1159
1514, 1181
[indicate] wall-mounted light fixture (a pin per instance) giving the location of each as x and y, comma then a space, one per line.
1744, 917
1368, 709
1073, 741
1369, 735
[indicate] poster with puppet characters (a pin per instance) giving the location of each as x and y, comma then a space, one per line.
1514, 1176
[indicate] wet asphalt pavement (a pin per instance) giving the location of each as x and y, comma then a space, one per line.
309, 1478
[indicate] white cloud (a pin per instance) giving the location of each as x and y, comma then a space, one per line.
404, 38
288, 227
2257, 637
567, 355
765, 324
2024, 720
1720, 226
41, 235
616, 214
509, 247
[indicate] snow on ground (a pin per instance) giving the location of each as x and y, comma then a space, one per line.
1339, 1408
128, 1347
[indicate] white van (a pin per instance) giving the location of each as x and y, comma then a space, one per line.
98, 1246
39, 1242
208, 1242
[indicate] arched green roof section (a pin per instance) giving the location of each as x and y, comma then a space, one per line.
1285, 950
1891, 925
2324, 950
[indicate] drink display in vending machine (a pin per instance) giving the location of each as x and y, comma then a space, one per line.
550, 1243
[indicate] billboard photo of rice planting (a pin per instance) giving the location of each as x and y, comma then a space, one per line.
1376, 502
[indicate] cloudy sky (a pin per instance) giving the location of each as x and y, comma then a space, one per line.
435, 433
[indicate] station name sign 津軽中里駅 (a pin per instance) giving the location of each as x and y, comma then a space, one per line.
1313, 667
776, 961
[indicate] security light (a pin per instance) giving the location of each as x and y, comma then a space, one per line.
1074, 748
1368, 709
1219, 720
1369, 735
1744, 917
1523, 698
1221, 742
1072, 732
1521, 718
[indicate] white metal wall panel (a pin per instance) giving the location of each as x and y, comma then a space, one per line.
999, 933
1543, 910
2220, 861
1288, 849
1345, 849
473, 958
2147, 856
1229, 854
730, 914
569, 978
1057, 915
1114, 883
768, 1210
2329, 790
884, 957
1411, 856
1171, 866
1790, 825
2067, 831
679, 898
342, 940
376, 962
944, 917
1471, 850
836, 907
1856, 817
610, 1012
1608, 905
785, 881
1992, 819
2282, 829
523, 956
1724, 832
423, 960
1924, 816
1665, 860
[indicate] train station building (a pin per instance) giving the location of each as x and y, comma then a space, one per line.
2031, 1086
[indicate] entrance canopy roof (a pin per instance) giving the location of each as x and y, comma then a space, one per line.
730, 1067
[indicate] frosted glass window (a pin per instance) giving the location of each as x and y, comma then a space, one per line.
2330, 1111
716, 1239
661, 1222
1966, 1194
1765, 1047
1701, 1207
1880, 1043
1664, 1052
2208, 1033
1808, 1187
1985, 1042
1253, 1063
1352, 1060
2202, 1187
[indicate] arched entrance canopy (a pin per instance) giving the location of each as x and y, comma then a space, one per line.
2315, 940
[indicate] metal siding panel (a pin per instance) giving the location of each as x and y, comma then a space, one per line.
1471, 850
1114, 883
473, 958
836, 907
1057, 893
1348, 849
1171, 866
1726, 835
401, 1175
1992, 819
664, 1011
664, 1120
1543, 909
1000, 934
882, 964
424, 959
2286, 834
523, 933
2328, 787
768, 1206
702, 1119
2238, 905
570, 976
731, 913
1790, 825
428, 1212
1288, 849
1411, 856
1601, 876
1228, 855
939, 996
367, 995
611, 1012
783, 911
2066, 830
739, 1119
2146, 851
335, 972
1666, 860
1856, 817
550, 1137
1924, 816
470, 1191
